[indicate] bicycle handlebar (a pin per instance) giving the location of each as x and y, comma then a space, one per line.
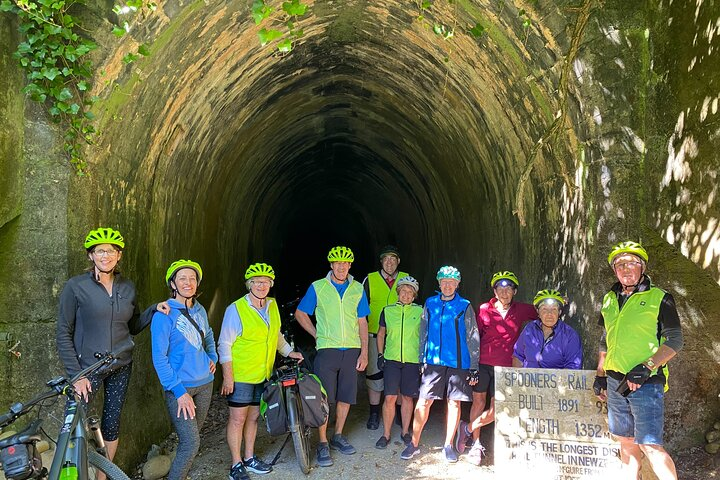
63, 386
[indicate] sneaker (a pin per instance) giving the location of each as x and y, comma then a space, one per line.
323, 455
339, 442
461, 437
373, 422
476, 453
382, 442
450, 454
255, 465
410, 451
238, 472
407, 438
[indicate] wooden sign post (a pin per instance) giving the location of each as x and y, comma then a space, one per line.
549, 424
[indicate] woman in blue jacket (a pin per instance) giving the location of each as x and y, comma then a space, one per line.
548, 342
184, 356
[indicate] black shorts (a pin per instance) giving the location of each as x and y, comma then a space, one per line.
402, 377
439, 382
486, 382
337, 372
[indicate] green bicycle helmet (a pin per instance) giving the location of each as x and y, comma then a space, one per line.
508, 276
104, 235
259, 270
409, 281
389, 250
627, 247
548, 295
448, 271
179, 265
340, 254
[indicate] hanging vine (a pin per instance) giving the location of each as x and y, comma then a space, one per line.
53, 56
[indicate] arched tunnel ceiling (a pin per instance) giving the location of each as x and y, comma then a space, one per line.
372, 130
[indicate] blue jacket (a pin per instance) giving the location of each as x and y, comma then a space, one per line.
447, 332
562, 349
180, 355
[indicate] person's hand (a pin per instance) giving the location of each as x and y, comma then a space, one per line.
228, 385
380, 361
212, 367
163, 307
297, 356
600, 387
186, 406
83, 389
637, 376
362, 362
473, 377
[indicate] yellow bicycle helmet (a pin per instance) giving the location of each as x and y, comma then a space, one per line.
510, 277
627, 247
259, 270
104, 235
340, 254
179, 265
550, 296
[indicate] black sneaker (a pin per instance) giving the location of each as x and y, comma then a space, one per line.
323, 455
407, 438
410, 451
238, 472
339, 442
255, 465
382, 443
373, 422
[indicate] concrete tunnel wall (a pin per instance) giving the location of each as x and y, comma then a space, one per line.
374, 130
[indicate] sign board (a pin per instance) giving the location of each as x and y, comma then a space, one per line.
549, 424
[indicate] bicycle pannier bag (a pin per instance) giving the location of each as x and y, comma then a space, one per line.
20, 461
272, 409
314, 400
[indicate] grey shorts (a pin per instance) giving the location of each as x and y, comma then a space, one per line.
439, 382
337, 372
403, 378
373, 375
245, 394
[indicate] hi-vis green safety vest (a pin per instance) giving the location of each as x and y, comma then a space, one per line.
337, 320
402, 337
632, 333
381, 295
253, 353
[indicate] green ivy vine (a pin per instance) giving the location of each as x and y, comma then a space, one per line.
282, 26
53, 56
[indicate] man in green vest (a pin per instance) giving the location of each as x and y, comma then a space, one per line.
341, 335
249, 337
380, 291
641, 333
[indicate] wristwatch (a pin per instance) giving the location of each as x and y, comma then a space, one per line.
650, 364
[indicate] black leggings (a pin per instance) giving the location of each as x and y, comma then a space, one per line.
115, 386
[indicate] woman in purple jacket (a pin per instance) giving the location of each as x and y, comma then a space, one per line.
548, 342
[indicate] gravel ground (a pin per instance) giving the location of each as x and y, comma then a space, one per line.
213, 461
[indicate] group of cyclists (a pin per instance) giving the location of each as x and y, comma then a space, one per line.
413, 354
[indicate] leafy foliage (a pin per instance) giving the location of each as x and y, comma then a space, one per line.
53, 58
282, 24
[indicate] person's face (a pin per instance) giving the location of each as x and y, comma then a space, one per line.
390, 264
505, 294
549, 313
186, 282
340, 270
260, 286
448, 286
628, 269
406, 294
105, 256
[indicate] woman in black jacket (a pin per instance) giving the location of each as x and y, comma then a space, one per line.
98, 313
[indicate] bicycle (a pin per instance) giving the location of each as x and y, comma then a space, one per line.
287, 375
18, 453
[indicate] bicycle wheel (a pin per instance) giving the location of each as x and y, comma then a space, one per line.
103, 464
300, 433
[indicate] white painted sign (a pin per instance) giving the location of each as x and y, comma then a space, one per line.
549, 424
